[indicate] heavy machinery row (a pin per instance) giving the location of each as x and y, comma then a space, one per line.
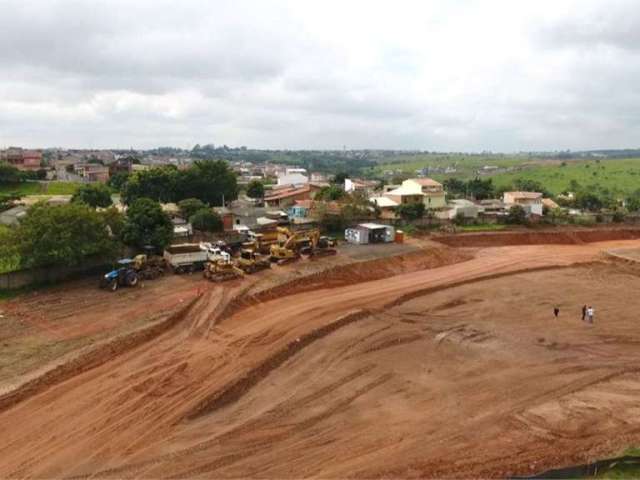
222, 261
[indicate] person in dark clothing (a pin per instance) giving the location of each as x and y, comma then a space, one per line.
556, 311
584, 312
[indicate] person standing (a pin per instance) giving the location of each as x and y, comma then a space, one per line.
590, 313
584, 312
556, 311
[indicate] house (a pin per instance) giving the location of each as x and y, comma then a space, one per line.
386, 206
23, 159
492, 207
305, 211
92, 172
293, 176
287, 196
530, 201
432, 191
550, 204
456, 208
370, 233
359, 185
404, 195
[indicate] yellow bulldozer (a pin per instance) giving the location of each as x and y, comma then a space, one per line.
221, 269
250, 262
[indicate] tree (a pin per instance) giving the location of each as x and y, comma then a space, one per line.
9, 174
212, 181
114, 220
480, 189
255, 189
118, 180
206, 220
339, 178
517, 215
94, 195
588, 201
330, 193
189, 206
159, 184
411, 211
633, 202
529, 185
63, 235
146, 224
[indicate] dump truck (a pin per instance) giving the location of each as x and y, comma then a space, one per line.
186, 257
250, 262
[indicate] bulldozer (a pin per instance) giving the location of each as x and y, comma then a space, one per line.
221, 269
251, 262
149, 267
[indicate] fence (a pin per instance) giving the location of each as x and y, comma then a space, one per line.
37, 276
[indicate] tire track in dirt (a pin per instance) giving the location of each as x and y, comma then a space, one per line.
92, 358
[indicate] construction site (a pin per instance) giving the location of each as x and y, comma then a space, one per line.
300, 357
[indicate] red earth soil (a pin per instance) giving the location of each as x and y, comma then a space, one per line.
450, 371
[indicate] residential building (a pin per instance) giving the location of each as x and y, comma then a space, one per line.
92, 172
23, 159
530, 201
288, 195
459, 208
386, 206
293, 176
405, 195
432, 191
357, 185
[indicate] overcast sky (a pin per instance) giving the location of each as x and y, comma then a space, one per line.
438, 75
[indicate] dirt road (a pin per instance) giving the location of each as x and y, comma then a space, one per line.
404, 376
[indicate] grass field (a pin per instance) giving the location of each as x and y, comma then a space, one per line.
37, 188
621, 176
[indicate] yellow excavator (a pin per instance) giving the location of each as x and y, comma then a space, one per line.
293, 244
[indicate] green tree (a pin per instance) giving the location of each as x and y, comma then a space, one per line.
588, 200
517, 215
9, 174
339, 178
159, 184
114, 220
529, 185
146, 224
633, 201
95, 195
189, 206
206, 220
410, 212
255, 189
63, 235
209, 180
330, 193
118, 180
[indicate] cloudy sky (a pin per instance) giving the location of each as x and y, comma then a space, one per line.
501, 75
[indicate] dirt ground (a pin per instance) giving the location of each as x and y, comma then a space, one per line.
448, 367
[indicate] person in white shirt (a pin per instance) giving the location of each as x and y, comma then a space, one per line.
590, 313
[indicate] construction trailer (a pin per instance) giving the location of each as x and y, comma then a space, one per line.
370, 233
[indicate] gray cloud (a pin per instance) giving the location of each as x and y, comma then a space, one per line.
465, 75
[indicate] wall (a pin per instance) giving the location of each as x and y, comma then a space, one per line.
35, 276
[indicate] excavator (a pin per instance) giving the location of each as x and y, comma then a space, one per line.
293, 244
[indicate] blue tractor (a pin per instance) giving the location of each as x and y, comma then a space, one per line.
123, 276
